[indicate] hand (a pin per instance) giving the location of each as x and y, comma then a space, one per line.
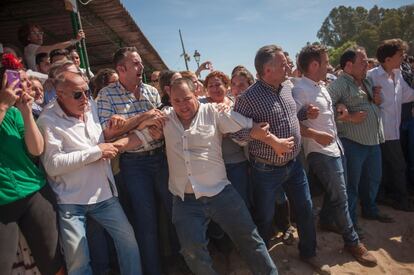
357, 117
282, 146
260, 131
342, 111
312, 112
24, 104
323, 138
205, 66
80, 35
222, 107
109, 150
116, 122
156, 133
156, 120
8, 93
377, 95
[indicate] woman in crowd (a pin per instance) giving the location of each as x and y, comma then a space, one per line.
37, 94
26, 201
31, 37
103, 78
165, 79
240, 80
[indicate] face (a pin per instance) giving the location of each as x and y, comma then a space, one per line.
67, 94
216, 89
131, 70
360, 66
276, 70
395, 60
239, 84
75, 58
44, 65
37, 91
155, 79
35, 36
184, 102
323, 67
26, 84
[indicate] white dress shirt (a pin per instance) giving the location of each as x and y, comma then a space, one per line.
394, 94
72, 158
194, 155
305, 92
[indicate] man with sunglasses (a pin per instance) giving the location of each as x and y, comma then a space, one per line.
76, 159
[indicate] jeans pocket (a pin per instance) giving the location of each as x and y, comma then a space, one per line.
262, 167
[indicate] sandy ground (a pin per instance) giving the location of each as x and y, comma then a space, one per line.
392, 244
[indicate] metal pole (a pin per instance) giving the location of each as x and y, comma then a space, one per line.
184, 53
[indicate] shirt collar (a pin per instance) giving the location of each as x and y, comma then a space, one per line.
381, 71
124, 90
276, 90
59, 111
313, 83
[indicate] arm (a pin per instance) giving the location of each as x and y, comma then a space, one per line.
242, 106
320, 137
58, 162
407, 92
7, 96
32, 136
61, 45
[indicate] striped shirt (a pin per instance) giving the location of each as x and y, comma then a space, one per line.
114, 99
346, 91
263, 103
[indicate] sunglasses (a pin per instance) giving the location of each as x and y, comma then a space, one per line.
78, 94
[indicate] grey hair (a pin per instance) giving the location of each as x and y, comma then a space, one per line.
264, 55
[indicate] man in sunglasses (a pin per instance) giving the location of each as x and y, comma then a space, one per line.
76, 159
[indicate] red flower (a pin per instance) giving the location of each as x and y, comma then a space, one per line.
9, 61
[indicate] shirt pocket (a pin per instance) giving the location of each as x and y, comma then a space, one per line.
202, 136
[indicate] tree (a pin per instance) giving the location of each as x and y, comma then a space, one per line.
367, 28
335, 53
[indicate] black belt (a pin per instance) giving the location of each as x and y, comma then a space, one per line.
147, 153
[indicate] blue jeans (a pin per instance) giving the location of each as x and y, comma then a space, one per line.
238, 175
228, 210
109, 214
267, 181
331, 174
364, 172
146, 180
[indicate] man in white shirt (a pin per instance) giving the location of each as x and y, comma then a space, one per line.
395, 92
76, 160
323, 149
202, 192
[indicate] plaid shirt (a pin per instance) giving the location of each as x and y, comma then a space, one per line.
263, 103
115, 99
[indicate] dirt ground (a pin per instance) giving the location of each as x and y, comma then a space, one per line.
392, 244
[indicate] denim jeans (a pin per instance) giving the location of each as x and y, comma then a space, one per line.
146, 180
267, 181
228, 210
109, 214
364, 171
238, 175
331, 174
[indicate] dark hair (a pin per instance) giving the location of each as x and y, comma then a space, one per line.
244, 73
388, 48
237, 68
40, 57
308, 54
349, 56
24, 31
410, 59
58, 52
120, 54
164, 79
101, 80
181, 81
264, 55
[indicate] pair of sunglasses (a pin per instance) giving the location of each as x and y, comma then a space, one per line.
78, 94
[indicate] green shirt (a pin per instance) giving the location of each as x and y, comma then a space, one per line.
345, 90
19, 176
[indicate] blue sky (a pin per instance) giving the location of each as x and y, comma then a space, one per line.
229, 32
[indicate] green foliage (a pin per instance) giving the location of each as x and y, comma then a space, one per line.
335, 53
346, 25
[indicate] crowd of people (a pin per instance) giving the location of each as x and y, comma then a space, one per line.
105, 173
